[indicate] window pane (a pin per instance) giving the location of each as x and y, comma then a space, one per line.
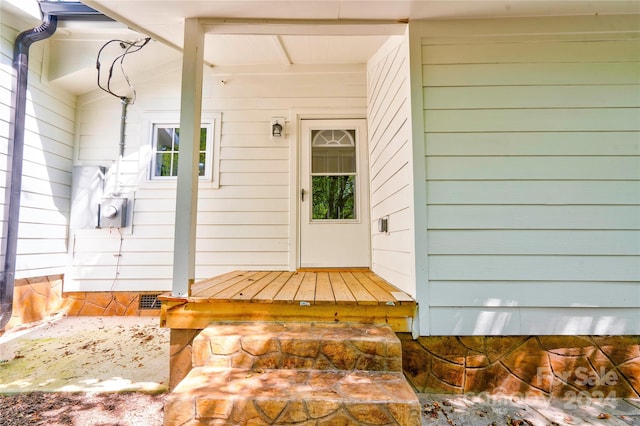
165, 139
333, 159
333, 137
201, 164
166, 149
203, 139
174, 168
333, 197
163, 165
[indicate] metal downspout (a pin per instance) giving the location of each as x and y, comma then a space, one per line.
16, 146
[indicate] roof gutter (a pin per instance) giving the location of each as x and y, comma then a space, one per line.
52, 11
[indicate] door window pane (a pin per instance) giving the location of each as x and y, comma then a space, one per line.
333, 151
334, 160
333, 174
333, 197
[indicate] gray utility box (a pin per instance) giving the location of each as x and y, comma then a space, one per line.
87, 192
113, 213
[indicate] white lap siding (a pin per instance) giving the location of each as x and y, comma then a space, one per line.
48, 152
243, 224
391, 164
533, 175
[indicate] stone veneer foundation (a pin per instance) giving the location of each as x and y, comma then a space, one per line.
107, 304
551, 366
37, 298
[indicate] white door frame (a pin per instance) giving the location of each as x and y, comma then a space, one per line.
294, 168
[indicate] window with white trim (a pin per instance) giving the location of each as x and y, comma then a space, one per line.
165, 157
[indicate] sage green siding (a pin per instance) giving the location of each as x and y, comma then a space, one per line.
532, 140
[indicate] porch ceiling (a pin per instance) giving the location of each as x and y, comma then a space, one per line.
163, 21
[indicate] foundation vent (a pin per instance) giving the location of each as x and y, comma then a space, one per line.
149, 301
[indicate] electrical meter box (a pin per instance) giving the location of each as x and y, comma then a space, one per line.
112, 213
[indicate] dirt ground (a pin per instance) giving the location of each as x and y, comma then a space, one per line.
86, 354
84, 371
137, 409
82, 409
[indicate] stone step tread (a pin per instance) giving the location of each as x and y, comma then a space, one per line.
240, 396
298, 345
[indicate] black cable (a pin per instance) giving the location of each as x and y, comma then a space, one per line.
130, 47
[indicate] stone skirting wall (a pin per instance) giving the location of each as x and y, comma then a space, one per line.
557, 366
35, 299
107, 304
180, 354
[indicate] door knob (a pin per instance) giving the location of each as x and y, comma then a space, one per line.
302, 195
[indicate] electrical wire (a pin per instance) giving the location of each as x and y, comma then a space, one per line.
118, 256
129, 48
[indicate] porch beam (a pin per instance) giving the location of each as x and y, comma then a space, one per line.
307, 27
184, 247
282, 51
279, 69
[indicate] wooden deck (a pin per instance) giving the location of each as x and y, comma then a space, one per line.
356, 296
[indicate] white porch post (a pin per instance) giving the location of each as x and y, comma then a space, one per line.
184, 247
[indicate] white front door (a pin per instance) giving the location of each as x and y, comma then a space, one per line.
334, 194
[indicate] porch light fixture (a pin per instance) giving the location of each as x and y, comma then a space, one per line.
277, 127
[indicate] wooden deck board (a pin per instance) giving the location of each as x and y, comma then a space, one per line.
256, 287
202, 287
380, 294
398, 294
340, 290
288, 292
307, 290
321, 295
314, 287
229, 291
362, 296
324, 292
268, 294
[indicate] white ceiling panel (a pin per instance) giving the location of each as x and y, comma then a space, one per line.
332, 49
241, 50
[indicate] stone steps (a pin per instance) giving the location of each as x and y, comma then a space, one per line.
258, 345
228, 396
294, 374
